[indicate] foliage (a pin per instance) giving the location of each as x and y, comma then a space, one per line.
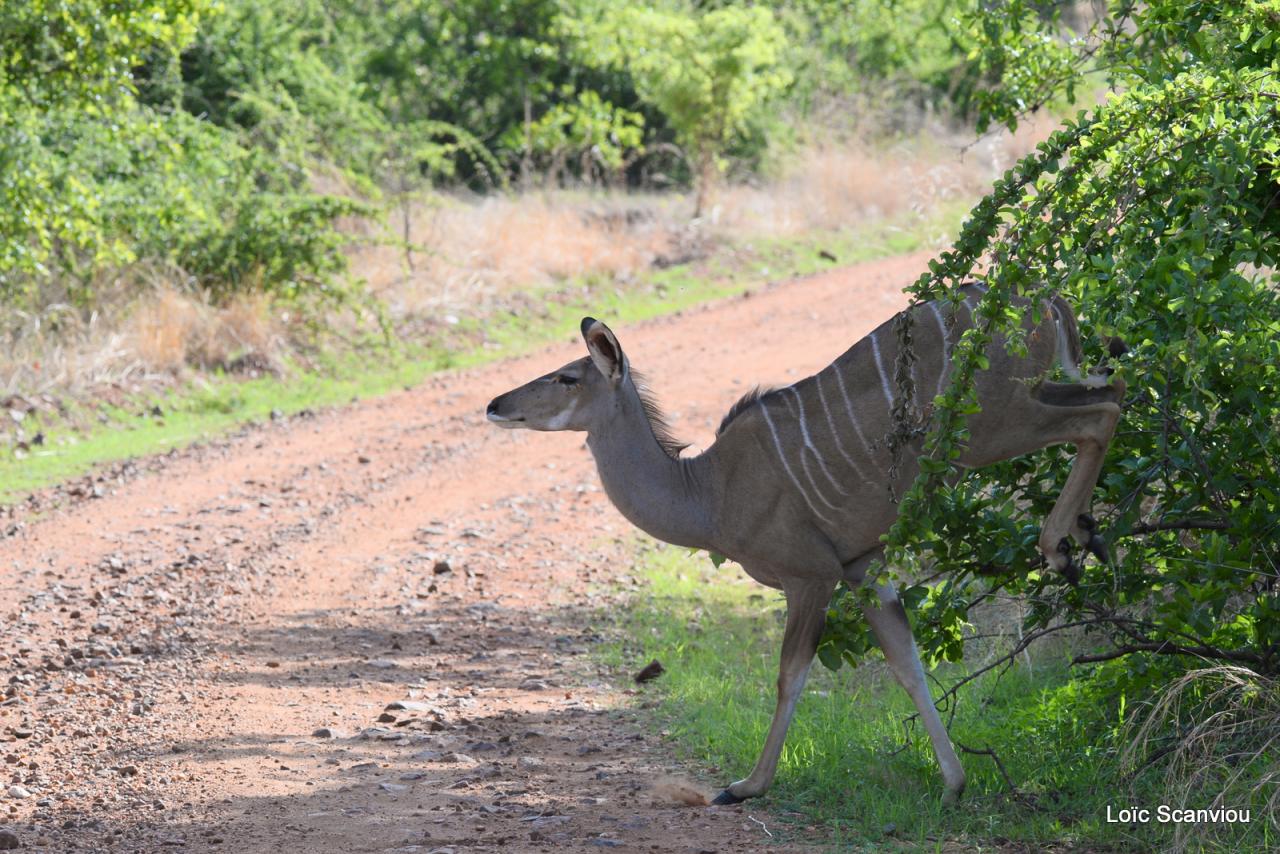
907, 50
281, 78
100, 173
509, 72
80, 51
63, 66
1020, 49
707, 72
194, 136
588, 127
1158, 214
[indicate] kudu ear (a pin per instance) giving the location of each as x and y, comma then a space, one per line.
605, 350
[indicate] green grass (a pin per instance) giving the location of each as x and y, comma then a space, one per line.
718, 635
214, 405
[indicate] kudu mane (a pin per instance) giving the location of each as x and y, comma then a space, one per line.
657, 418
744, 403
662, 428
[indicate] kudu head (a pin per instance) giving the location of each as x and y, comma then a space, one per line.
581, 395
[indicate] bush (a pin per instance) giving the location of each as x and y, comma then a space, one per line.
1156, 213
196, 135
99, 177
708, 73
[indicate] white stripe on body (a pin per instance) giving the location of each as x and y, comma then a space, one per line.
853, 419
787, 466
835, 434
808, 442
946, 339
946, 348
884, 378
1062, 350
804, 463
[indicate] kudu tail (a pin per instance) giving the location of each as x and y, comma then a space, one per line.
1071, 353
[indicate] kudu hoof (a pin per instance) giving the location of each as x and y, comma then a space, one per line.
1096, 545
726, 798
1070, 571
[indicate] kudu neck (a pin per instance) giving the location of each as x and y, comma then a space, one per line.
670, 499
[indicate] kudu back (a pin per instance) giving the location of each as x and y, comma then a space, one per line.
796, 486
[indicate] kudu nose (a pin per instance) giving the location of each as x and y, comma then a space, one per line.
493, 408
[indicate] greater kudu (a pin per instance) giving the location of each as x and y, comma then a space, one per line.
796, 486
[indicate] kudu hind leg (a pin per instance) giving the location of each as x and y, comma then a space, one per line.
893, 633
806, 614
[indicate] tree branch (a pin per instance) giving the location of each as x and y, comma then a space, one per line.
1167, 648
1181, 525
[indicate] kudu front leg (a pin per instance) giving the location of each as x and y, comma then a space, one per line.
806, 614
1069, 519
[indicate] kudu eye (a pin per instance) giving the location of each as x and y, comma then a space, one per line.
565, 379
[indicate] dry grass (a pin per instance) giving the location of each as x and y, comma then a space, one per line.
131, 344
1218, 731
169, 329
472, 255
58, 349
470, 252
833, 184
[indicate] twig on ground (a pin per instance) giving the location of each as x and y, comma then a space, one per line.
995, 757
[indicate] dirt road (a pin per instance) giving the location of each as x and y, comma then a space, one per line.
198, 651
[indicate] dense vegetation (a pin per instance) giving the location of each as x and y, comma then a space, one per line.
1158, 213
222, 141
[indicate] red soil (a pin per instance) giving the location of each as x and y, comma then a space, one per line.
171, 646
